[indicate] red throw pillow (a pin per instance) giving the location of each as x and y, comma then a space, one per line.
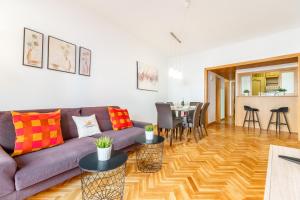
35, 131
119, 118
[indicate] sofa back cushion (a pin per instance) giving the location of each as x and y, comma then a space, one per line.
36, 131
7, 130
102, 116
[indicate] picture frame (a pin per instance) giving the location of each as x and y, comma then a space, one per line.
85, 60
33, 48
61, 55
147, 77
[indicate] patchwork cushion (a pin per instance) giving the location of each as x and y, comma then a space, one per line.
36, 131
119, 118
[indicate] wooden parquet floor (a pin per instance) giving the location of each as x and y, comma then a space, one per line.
230, 163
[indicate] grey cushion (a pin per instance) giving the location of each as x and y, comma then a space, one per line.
41, 165
123, 138
102, 116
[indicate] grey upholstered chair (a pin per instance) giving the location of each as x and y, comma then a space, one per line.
191, 113
203, 117
165, 120
194, 125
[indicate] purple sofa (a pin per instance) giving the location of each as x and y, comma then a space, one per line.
25, 175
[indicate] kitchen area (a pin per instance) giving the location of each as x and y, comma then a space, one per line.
266, 88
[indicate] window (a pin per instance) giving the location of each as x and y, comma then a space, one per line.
245, 83
288, 82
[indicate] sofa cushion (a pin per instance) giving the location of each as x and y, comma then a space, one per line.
102, 116
123, 138
119, 118
68, 126
36, 131
42, 165
7, 130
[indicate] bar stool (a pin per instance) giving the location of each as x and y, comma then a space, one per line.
251, 118
279, 111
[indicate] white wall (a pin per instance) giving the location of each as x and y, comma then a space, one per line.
193, 65
114, 56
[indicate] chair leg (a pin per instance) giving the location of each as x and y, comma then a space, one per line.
199, 132
270, 122
194, 133
287, 123
167, 133
171, 137
205, 130
158, 130
245, 118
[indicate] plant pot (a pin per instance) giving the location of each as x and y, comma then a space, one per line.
149, 135
104, 153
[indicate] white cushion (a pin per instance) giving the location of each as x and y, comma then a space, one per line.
86, 126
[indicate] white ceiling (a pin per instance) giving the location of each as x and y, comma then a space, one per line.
209, 23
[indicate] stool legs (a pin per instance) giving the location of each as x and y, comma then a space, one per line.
278, 122
245, 118
250, 118
287, 123
270, 121
258, 120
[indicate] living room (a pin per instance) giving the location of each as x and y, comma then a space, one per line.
79, 59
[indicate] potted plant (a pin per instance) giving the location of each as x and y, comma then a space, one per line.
149, 132
246, 92
104, 145
282, 90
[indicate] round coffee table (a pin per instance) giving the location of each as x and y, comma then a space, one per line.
149, 156
103, 179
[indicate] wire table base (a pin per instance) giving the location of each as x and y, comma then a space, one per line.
149, 157
106, 185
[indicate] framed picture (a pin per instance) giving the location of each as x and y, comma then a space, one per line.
147, 77
85, 56
61, 55
33, 48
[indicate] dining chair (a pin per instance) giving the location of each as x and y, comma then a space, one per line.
194, 126
166, 120
203, 117
191, 112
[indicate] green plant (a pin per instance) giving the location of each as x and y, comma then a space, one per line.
149, 128
104, 142
281, 90
246, 91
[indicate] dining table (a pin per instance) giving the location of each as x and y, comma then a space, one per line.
183, 108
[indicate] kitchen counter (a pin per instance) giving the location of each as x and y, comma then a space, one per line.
265, 104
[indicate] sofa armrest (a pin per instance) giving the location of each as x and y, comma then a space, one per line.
140, 124
8, 168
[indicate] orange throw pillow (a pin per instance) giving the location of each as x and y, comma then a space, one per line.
119, 118
35, 131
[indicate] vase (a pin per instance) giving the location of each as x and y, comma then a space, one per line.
149, 135
104, 153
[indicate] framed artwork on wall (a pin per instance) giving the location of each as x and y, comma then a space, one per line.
147, 77
85, 56
33, 48
61, 55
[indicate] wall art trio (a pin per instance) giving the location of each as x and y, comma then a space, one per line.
61, 54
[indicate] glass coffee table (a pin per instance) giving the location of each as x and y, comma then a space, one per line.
103, 179
149, 156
